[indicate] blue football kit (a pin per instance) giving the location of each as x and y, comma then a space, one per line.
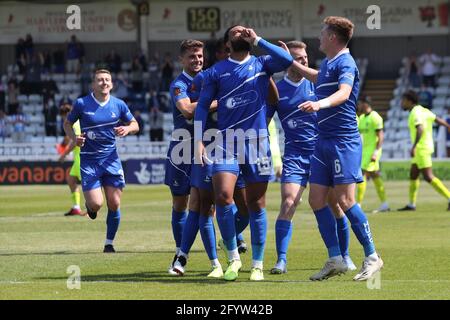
99, 162
178, 164
300, 129
337, 156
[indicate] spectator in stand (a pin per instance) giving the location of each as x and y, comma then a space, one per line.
74, 54
59, 61
121, 87
166, 72
137, 76
211, 47
413, 72
20, 55
32, 79
13, 93
429, 65
2, 95
29, 47
114, 61
142, 59
86, 77
50, 115
18, 122
3, 125
140, 121
156, 121
46, 62
153, 69
425, 97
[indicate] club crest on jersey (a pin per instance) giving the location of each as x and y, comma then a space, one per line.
113, 115
91, 135
292, 123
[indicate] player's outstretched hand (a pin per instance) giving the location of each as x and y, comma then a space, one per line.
81, 139
309, 106
121, 131
248, 35
283, 45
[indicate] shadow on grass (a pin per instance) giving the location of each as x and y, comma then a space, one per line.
12, 254
150, 276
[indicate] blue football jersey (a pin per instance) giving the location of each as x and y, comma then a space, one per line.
300, 128
240, 88
181, 88
338, 121
211, 123
98, 123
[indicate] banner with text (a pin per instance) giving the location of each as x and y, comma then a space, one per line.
183, 20
397, 17
100, 22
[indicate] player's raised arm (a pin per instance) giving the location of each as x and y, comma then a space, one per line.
281, 56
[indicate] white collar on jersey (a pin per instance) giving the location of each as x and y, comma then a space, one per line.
345, 50
102, 104
240, 62
187, 75
292, 83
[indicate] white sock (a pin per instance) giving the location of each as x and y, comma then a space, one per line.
257, 264
411, 205
181, 253
76, 207
337, 258
107, 242
177, 251
233, 255
373, 256
215, 263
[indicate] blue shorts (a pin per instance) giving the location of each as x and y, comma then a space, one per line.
101, 172
296, 169
253, 163
336, 161
201, 176
240, 182
178, 173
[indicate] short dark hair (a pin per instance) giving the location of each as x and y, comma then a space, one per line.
365, 98
65, 108
342, 27
190, 44
296, 44
226, 35
411, 95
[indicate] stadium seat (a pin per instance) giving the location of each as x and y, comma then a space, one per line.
444, 80
50, 139
442, 91
439, 102
37, 139
35, 98
58, 77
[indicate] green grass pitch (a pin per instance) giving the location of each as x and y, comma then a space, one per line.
38, 244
